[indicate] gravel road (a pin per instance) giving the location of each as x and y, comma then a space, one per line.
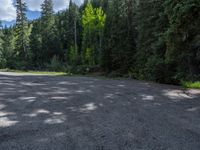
43, 112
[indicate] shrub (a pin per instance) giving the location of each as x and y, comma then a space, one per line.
2, 61
55, 64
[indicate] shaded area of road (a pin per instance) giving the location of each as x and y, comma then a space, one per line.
41, 112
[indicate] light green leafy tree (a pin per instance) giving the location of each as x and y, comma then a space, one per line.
93, 21
100, 19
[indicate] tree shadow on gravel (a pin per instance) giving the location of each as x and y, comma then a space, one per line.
57, 112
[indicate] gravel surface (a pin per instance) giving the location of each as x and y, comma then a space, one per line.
42, 112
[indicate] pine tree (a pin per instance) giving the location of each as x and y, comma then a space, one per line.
61, 23
36, 45
2, 58
1, 36
21, 30
106, 59
47, 11
183, 37
120, 37
8, 51
50, 43
151, 47
100, 3
73, 27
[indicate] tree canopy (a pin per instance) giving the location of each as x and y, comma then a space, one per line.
156, 40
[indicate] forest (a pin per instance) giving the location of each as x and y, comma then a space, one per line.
156, 40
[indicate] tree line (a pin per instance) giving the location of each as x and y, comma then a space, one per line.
156, 40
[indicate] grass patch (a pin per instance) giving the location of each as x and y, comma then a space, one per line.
36, 72
190, 84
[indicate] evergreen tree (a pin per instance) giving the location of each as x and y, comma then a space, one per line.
1, 36
2, 58
8, 52
21, 31
73, 29
106, 59
48, 31
183, 37
120, 37
36, 45
156, 40
100, 3
61, 23
151, 47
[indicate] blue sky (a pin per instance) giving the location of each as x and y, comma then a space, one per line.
33, 14
8, 11
30, 14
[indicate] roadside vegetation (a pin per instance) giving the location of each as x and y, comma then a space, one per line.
190, 84
36, 72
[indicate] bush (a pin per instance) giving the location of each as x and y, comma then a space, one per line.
114, 74
73, 56
157, 70
2, 61
83, 69
55, 65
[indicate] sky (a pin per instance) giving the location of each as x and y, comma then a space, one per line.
8, 11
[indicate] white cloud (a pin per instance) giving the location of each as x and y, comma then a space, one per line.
7, 10
58, 4
34, 5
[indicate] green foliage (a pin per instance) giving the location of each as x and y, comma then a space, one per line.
36, 45
22, 31
100, 18
73, 56
89, 56
50, 42
83, 69
182, 36
2, 58
36, 72
1, 37
120, 37
151, 47
156, 40
8, 51
88, 17
55, 64
93, 20
155, 69
2, 61
190, 84
73, 33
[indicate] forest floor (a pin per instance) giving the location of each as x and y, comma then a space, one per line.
52, 112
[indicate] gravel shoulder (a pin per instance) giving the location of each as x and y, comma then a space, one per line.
48, 112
